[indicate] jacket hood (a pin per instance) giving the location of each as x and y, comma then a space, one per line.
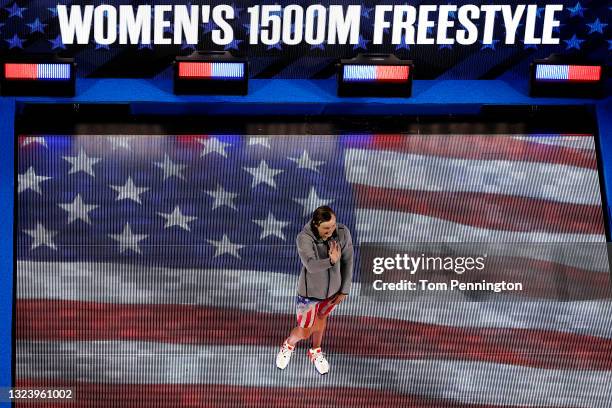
308, 231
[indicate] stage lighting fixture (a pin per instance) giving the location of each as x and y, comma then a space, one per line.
211, 72
560, 76
38, 75
375, 75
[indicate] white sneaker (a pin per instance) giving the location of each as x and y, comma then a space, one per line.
319, 360
284, 355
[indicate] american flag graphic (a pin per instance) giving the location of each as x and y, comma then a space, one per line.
161, 271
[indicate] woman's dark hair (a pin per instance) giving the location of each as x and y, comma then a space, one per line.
320, 215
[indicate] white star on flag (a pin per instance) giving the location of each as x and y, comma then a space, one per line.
222, 197
82, 162
128, 240
120, 142
29, 181
263, 174
129, 191
41, 236
170, 168
305, 162
225, 246
263, 141
272, 226
31, 139
177, 218
312, 202
213, 145
78, 210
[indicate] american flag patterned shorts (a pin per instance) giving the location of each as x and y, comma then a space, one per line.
307, 309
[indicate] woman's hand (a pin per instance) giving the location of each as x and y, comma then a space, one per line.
334, 252
338, 298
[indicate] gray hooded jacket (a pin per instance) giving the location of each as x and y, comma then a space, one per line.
320, 279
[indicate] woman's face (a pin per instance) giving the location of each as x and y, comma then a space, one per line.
327, 228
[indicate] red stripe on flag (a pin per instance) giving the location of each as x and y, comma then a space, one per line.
53, 320
211, 395
308, 316
485, 148
388, 73
486, 210
20, 71
584, 73
195, 69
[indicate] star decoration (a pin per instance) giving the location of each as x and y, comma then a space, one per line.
129, 191
225, 246
402, 44
234, 45
222, 198
213, 145
145, 46
263, 141
15, 42
36, 26
53, 11
120, 142
128, 240
102, 47
41, 236
312, 202
34, 139
30, 181
208, 27
170, 168
272, 226
596, 27
445, 46
15, 10
78, 210
318, 46
82, 162
237, 11
305, 162
263, 174
577, 10
528, 46
365, 11
57, 43
490, 46
177, 218
275, 46
573, 42
362, 43
609, 45
429, 29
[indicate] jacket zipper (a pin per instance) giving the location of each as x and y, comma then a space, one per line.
327, 290
306, 281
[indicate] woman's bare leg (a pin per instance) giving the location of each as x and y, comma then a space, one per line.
299, 333
318, 331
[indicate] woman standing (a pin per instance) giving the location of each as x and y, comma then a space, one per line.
325, 248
